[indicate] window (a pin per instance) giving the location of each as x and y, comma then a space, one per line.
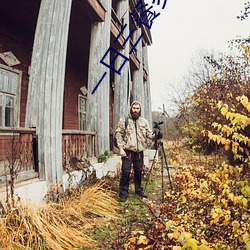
9, 97
82, 103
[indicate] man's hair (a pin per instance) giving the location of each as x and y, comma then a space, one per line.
136, 103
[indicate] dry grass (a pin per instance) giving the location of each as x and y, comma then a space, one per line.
62, 225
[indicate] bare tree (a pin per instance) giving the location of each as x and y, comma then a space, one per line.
12, 167
245, 12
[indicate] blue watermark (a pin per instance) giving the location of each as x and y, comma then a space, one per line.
140, 16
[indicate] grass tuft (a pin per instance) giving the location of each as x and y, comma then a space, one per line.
62, 225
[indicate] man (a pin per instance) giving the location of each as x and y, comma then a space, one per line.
132, 141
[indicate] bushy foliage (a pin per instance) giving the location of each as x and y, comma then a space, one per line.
227, 77
234, 134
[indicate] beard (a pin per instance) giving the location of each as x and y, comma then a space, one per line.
135, 115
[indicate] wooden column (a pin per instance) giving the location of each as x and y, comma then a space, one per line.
45, 96
122, 81
138, 74
147, 91
98, 103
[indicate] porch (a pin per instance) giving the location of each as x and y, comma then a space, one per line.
19, 152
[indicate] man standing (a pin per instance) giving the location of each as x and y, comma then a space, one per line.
132, 141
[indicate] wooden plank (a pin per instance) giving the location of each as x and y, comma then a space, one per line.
92, 9
77, 132
147, 35
17, 130
135, 62
115, 31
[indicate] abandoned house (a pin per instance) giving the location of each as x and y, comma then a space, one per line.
50, 63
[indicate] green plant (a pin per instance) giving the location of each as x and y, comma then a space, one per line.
104, 157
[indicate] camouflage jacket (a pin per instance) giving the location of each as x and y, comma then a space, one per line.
135, 136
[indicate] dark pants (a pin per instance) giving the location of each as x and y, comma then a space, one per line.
135, 158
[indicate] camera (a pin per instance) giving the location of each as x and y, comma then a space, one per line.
157, 125
157, 131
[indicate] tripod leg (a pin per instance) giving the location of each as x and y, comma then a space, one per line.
162, 178
150, 170
165, 158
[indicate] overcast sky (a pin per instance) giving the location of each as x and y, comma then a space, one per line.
183, 28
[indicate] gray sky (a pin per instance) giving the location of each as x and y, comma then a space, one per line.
184, 28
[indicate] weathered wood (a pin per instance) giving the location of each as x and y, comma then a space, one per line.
122, 81
115, 30
135, 62
77, 132
148, 108
98, 103
137, 75
92, 9
147, 35
47, 85
17, 130
75, 146
16, 150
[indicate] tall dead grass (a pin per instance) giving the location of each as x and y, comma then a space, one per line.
62, 225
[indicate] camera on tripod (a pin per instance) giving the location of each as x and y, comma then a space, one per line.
157, 131
159, 148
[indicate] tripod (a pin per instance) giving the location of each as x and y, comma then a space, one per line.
159, 148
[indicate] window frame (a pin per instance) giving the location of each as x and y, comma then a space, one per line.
17, 96
79, 111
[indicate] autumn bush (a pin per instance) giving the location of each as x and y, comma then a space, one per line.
219, 78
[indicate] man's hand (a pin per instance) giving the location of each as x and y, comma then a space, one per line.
122, 152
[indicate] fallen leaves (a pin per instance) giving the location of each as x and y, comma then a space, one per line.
208, 208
